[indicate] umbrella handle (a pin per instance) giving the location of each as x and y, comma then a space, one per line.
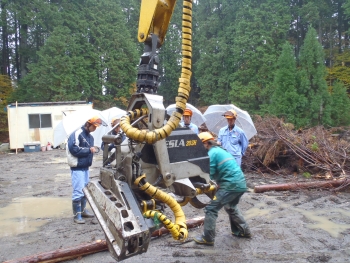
97, 149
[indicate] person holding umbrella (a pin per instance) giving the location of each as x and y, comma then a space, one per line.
187, 121
232, 185
232, 138
80, 150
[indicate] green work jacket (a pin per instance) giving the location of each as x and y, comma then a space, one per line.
225, 171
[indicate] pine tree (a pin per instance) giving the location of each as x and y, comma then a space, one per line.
285, 99
340, 106
312, 83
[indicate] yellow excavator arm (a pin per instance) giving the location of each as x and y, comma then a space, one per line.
155, 17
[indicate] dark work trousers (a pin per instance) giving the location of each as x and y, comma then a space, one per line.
229, 201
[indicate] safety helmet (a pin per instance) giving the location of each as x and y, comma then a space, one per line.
96, 121
205, 136
187, 112
230, 114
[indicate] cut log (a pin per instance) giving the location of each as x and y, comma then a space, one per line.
296, 186
64, 254
88, 248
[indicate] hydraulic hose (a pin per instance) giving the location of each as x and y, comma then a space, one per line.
178, 229
183, 90
199, 191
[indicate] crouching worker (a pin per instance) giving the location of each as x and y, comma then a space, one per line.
80, 150
232, 184
111, 146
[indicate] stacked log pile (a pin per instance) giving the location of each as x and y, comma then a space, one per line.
280, 149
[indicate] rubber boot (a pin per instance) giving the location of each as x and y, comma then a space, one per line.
77, 212
239, 226
85, 212
202, 241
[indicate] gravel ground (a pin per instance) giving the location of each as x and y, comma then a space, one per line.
300, 226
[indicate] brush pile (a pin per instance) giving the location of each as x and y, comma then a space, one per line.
280, 149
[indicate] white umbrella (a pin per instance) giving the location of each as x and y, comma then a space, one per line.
215, 120
197, 117
109, 115
72, 122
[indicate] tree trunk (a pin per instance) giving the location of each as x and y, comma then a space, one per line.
340, 26
5, 61
23, 47
296, 186
88, 248
64, 254
18, 70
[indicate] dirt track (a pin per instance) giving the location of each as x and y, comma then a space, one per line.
35, 190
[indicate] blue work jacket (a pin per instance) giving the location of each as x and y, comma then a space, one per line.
78, 149
192, 126
234, 141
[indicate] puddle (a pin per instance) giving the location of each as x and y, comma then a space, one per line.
325, 222
5, 183
329, 220
255, 212
26, 215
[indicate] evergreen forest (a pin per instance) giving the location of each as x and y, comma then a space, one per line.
286, 58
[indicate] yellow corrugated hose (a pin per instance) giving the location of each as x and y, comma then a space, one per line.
183, 90
199, 192
178, 229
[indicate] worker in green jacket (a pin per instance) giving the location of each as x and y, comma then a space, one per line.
232, 185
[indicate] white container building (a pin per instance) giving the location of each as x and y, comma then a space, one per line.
31, 123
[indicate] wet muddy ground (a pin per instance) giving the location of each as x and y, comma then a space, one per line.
300, 226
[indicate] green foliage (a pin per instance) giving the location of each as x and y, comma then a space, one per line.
214, 59
5, 91
340, 106
340, 70
259, 34
88, 50
285, 101
346, 7
314, 147
88, 56
307, 175
313, 84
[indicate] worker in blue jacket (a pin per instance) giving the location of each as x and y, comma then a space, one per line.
80, 150
232, 138
231, 186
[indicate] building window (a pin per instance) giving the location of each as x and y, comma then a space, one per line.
40, 121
